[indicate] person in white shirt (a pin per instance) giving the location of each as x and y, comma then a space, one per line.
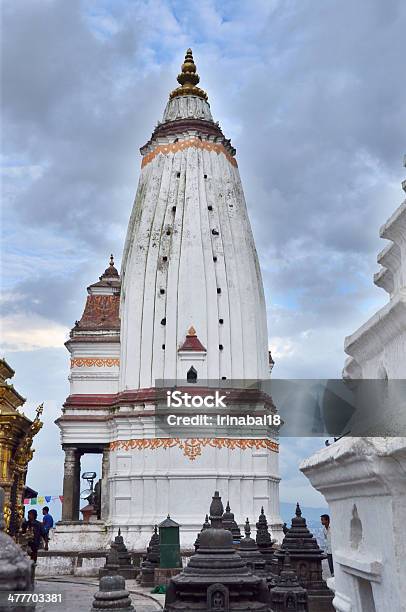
325, 521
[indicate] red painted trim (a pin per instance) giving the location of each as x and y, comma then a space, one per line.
153, 394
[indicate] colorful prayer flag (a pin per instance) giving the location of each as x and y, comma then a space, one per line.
26, 501
41, 499
34, 501
61, 498
48, 498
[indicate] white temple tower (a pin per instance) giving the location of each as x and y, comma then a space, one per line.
191, 301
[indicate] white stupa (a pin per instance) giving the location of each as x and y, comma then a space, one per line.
191, 305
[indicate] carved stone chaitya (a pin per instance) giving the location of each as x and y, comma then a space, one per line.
205, 525
112, 595
287, 595
120, 557
264, 539
217, 578
306, 559
249, 553
112, 565
151, 560
230, 524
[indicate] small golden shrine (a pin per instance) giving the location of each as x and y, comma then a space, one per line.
16, 435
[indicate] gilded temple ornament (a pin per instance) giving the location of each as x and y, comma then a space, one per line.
188, 80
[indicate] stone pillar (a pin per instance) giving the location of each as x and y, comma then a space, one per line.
104, 510
71, 485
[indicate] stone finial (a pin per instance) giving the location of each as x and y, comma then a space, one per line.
112, 595
230, 524
111, 270
188, 79
216, 511
247, 528
298, 510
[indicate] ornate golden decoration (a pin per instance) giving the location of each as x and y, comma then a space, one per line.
16, 436
99, 362
192, 142
193, 447
188, 79
7, 515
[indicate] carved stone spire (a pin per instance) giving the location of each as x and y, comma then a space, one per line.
188, 79
249, 552
263, 539
216, 511
287, 594
230, 524
306, 557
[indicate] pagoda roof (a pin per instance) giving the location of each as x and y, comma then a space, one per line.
101, 313
6, 371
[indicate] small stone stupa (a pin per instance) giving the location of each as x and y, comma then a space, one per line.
249, 553
306, 558
216, 578
112, 565
287, 594
112, 595
230, 524
127, 569
151, 561
118, 560
264, 540
205, 525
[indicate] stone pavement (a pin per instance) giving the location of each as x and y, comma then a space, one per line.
77, 595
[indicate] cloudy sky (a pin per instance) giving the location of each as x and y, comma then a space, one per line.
312, 94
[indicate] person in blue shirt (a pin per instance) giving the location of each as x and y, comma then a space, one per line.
48, 523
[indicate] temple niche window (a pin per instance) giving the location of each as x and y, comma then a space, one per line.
355, 529
191, 376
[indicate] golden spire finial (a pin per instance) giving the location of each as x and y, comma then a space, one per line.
191, 331
188, 79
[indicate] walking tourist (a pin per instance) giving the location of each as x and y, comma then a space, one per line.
48, 523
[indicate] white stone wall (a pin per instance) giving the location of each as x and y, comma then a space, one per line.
146, 485
363, 481
378, 348
95, 367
